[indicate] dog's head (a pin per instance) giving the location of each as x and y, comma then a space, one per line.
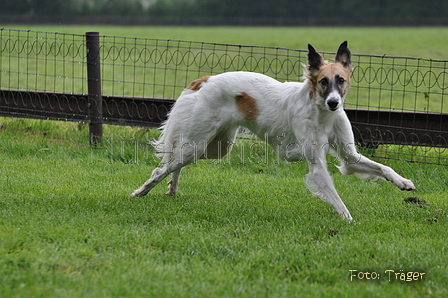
329, 81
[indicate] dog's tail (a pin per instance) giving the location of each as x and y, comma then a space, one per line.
172, 128
164, 145
158, 144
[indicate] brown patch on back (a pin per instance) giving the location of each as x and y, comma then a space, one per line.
247, 106
197, 84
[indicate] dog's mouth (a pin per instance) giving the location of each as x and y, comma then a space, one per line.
332, 108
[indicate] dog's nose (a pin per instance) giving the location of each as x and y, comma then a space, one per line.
332, 104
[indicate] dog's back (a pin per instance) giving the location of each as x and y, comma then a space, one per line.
223, 103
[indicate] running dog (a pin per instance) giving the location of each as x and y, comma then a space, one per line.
301, 121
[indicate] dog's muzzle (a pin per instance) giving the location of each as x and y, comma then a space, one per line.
333, 100
333, 104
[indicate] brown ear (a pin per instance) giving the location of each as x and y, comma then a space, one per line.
343, 56
315, 60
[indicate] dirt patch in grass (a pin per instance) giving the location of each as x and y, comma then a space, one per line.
415, 201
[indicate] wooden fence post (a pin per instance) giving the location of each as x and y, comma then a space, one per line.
94, 87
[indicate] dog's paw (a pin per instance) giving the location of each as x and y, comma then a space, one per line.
405, 184
172, 190
137, 193
346, 216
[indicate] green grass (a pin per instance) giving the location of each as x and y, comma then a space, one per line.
431, 43
69, 229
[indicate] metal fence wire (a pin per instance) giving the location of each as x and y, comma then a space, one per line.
396, 104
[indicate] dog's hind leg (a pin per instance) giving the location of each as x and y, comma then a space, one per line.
157, 175
217, 148
174, 182
221, 144
183, 154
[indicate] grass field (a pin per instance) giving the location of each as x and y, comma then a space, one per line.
419, 42
236, 229
252, 229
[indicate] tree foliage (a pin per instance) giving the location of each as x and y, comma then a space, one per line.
255, 11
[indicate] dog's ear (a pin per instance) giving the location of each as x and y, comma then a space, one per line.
315, 60
343, 56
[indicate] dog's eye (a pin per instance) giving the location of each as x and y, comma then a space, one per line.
341, 80
324, 82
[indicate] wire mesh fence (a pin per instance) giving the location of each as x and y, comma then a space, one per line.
398, 83
162, 68
403, 101
396, 104
49, 70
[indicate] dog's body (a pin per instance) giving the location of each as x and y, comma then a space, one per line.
299, 120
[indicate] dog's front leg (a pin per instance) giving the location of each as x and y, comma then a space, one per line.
366, 168
353, 162
321, 184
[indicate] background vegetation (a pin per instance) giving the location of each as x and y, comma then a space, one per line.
227, 12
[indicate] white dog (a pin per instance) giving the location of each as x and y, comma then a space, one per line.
299, 120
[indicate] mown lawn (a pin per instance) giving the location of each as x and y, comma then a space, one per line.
252, 229
419, 42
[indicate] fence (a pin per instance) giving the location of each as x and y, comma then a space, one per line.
396, 104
